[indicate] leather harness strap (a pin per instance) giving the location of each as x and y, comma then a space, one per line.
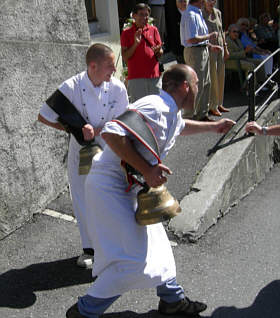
135, 122
69, 116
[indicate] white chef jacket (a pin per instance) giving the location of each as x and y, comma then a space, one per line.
97, 105
128, 255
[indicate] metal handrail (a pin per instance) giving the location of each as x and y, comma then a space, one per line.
252, 113
254, 92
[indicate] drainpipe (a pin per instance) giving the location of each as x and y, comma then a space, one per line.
250, 8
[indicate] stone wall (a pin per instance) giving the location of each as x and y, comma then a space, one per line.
42, 43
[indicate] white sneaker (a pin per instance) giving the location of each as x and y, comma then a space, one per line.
85, 261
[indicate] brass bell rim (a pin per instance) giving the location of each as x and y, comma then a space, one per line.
159, 214
156, 205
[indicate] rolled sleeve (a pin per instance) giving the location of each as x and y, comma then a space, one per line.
113, 127
48, 113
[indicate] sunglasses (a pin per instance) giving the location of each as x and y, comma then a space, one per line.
235, 31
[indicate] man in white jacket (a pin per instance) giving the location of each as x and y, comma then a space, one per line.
130, 256
98, 97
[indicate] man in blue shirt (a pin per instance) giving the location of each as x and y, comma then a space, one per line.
195, 39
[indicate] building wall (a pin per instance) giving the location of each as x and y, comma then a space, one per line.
232, 10
42, 43
106, 29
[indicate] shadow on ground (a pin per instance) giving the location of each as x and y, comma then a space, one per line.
18, 286
266, 305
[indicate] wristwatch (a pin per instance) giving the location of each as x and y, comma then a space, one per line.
264, 131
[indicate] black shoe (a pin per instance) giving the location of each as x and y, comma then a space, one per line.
73, 312
184, 307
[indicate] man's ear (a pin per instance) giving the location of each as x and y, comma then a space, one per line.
92, 65
185, 86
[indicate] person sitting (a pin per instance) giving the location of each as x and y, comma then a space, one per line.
251, 31
238, 59
265, 33
253, 49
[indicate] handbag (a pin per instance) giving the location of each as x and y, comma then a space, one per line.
161, 67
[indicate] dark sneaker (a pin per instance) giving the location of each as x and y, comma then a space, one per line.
184, 307
73, 312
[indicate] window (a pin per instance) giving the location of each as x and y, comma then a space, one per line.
91, 11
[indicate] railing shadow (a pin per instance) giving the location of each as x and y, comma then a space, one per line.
18, 286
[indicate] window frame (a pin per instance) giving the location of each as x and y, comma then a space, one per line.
91, 10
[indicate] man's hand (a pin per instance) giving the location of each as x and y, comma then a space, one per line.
157, 51
213, 36
138, 36
216, 48
226, 54
88, 132
224, 125
248, 49
253, 127
154, 177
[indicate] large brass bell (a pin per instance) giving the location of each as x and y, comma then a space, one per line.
86, 155
156, 205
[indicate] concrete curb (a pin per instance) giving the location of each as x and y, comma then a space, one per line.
231, 173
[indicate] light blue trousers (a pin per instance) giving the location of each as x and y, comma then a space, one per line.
92, 307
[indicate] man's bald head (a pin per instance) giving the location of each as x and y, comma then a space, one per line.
174, 76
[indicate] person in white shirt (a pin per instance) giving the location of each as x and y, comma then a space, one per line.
131, 256
99, 97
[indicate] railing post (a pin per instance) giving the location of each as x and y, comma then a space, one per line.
278, 73
252, 99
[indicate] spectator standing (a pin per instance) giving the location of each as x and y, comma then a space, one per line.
141, 49
173, 13
99, 97
255, 51
158, 13
213, 19
238, 53
195, 39
266, 35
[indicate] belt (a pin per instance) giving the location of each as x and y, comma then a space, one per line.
200, 45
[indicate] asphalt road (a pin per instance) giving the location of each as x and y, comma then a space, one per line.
234, 268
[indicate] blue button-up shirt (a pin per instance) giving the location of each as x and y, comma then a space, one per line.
192, 25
